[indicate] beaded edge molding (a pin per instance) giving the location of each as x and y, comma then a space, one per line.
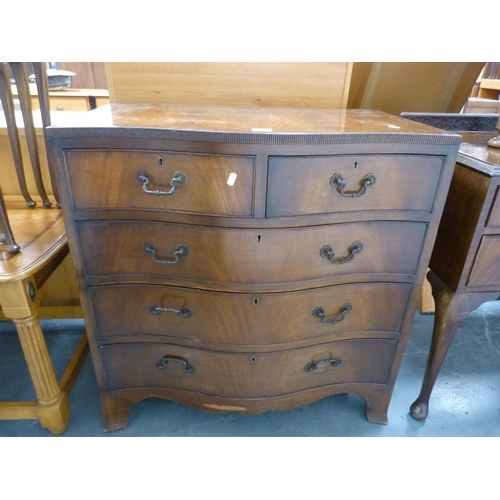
252, 137
456, 122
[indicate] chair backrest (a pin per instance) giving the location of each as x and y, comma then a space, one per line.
20, 73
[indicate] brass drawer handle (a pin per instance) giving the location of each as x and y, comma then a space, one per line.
327, 253
180, 251
179, 179
183, 313
338, 182
313, 365
319, 312
162, 364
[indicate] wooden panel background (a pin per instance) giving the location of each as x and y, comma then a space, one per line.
427, 87
234, 84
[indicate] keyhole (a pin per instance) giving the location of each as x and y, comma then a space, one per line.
355, 166
161, 161
253, 359
259, 238
255, 302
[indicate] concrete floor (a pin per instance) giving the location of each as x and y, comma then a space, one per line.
465, 401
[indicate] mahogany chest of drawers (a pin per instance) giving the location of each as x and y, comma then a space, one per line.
249, 259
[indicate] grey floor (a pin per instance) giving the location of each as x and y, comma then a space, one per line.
465, 401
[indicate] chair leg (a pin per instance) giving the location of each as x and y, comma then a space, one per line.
53, 406
20, 301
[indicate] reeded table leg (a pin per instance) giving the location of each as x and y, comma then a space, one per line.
53, 407
19, 301
451, 309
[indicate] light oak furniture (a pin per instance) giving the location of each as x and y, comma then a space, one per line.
489, 88
310, 85
33, 243
59, 296
71, 99
479, 105
465, 263
249, 258
426, 87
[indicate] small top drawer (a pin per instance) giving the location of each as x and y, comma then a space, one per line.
323, 184
204, 184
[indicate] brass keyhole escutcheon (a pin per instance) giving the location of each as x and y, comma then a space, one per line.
255, 302
161, 161
259, 238
253, 359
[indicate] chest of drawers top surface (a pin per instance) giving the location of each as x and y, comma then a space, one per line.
256, 123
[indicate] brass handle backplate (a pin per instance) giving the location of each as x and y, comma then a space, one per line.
313, 365
338, 182
183, 313
327, 253
180, 251
179, 179
319, 312
186, 367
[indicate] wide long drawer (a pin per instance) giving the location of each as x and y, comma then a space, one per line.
255, 256
324, 184
241, 375
205, 183
247, 319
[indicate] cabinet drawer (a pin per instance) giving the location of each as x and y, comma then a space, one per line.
246, 375
303, 185
494, 215
216, 184
247, 319
264, 256
486, 267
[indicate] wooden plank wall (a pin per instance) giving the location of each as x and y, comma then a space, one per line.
428, 87
233, 84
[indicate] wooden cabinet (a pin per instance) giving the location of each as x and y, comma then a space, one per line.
465, 263
71, 99
249, 259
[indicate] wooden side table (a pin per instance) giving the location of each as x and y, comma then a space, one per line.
465, 263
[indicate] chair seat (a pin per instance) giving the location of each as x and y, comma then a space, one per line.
41, 235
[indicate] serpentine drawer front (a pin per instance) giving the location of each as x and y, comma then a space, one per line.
247, 375
299, 185
268, 259
222, 255
270, 318
124, 179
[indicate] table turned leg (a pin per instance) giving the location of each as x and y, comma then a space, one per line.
451, 309
19, 302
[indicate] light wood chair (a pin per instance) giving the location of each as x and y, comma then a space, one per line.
33, 243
